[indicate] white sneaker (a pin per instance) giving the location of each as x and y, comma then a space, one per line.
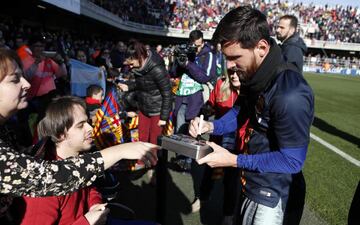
196, 205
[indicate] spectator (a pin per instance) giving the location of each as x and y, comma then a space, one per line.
159, 50
93, 100
66, 125
220, 61
81, 56
103, 59
41, 71
322, 22
117, 55
152, 87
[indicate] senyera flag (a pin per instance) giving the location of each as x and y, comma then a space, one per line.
169, 127
107, 129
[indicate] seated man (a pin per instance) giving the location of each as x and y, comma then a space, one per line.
66, 124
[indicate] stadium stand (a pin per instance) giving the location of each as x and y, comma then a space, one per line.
319, 22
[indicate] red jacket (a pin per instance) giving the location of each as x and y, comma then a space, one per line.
220, 107
215, 100
61, 210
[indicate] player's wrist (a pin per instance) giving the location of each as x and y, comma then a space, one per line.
211, 127
234, 160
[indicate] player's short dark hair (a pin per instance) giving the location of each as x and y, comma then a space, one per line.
244, 25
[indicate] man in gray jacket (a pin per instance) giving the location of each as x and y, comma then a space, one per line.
292, 45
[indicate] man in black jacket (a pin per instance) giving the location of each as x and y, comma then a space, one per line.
118, 55
293, 46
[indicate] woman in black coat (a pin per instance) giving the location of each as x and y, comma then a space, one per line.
152, 87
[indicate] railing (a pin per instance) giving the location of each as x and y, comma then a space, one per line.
312, 43
327, 65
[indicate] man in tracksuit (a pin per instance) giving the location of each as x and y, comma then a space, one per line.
280, 107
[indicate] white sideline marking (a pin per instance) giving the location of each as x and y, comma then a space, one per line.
336, 150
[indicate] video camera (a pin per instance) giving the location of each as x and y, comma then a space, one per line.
184, 52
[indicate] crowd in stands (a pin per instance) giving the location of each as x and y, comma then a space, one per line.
91, 48
320, 22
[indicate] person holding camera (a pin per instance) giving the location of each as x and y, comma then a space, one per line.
196, 66
41, 69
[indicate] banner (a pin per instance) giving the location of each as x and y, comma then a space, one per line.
339, 70
83, 75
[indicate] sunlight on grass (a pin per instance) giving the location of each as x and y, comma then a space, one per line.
331, 180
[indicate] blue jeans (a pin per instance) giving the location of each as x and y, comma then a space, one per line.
181, 125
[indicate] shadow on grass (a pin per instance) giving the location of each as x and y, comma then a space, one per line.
136, 193
328, 128
211, 210
142, 198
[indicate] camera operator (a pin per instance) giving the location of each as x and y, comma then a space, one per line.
195, 66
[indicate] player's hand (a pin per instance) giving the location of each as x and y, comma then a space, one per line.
97, 214
220, 157
207, 127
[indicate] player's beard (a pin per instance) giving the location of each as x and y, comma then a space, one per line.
244, 76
